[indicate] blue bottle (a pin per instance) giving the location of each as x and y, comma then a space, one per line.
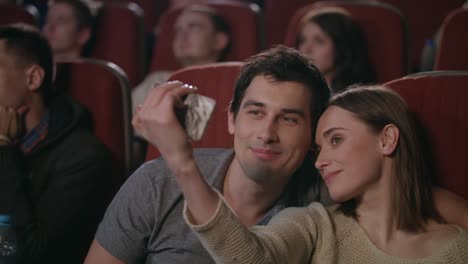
7, 241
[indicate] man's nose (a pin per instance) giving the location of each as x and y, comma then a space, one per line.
268, 131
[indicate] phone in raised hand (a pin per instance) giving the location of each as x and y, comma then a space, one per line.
195, 116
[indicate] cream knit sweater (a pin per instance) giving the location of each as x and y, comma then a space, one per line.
314, 235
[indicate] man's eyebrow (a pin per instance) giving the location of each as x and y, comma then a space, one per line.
253, 103
299, 112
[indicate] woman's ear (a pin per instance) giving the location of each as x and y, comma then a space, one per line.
389, 139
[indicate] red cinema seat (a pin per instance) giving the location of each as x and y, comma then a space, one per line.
424, 18
439, 101
217, 81
102, 87
152, 10
120, 38
452, 52
246, 33
384, 27
277, 14
10, 13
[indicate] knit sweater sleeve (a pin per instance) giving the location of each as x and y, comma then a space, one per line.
288, 238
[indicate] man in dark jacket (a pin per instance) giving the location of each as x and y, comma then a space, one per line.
54, 174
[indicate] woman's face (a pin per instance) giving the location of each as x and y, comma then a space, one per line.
319, 47
350, 158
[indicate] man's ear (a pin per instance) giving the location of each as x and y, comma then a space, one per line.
389, 139
83, 36
231, 122
222, 40
35, 77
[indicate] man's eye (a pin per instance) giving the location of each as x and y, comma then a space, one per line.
254, 113
289, 120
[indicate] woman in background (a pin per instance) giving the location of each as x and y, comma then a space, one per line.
337, 46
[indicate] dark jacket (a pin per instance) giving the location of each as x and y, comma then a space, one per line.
57, 193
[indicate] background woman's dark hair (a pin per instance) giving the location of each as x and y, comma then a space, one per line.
351, 59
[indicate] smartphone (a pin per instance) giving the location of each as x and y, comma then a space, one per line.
195, 116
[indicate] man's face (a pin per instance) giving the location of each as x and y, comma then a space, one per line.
13, 80
272, 130
195, 39
61, 29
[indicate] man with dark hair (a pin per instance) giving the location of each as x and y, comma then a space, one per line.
277, 101
68, 28
55, 176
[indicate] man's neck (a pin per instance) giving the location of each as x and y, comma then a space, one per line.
68, 55
249, 200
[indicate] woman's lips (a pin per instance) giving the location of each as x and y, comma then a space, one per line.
328, 177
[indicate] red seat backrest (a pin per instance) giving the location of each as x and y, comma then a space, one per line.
10, 13
424, 18
217, 81
452, 52
384, 27
152, 10
120, 38
102, 87
277, 15
246, 34
439, 100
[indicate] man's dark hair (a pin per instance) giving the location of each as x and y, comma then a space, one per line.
29, 47
284, 64
220, 25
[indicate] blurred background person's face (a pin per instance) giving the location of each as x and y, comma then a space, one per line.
319, 47
196, 40
63, 31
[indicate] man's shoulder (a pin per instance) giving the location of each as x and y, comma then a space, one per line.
209, 160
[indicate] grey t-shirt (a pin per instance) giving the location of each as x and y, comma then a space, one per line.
144, 222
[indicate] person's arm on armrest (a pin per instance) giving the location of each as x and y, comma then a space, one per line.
98, 255
453, 208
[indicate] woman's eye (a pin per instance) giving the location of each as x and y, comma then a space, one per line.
335, 140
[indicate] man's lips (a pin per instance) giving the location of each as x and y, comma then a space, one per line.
328, 177
264, 153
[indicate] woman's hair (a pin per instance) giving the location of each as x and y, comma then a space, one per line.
351, 60
412, 197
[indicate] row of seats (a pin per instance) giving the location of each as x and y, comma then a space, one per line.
438, 98
120, 35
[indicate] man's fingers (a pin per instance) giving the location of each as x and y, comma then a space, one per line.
157, 93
